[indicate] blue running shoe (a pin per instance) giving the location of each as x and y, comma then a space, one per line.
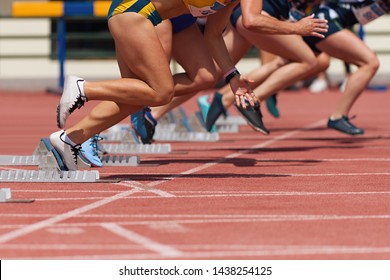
89, 151
271, 106
144, 125
138, 123
204, 107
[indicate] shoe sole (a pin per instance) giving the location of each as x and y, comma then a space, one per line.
59, 117
255, 128
342, 131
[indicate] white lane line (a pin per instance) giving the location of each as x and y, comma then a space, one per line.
235, 155
254, 252
144, 187
61, 217
145, 242
215, 194
191, 216
183, 247
223, 219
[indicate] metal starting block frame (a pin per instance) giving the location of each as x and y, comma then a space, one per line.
223, 127
175, 126
123, 148
120, 160
231, 120
51, 169
46, 176
6, 196
41, 152
185, 129
130, 143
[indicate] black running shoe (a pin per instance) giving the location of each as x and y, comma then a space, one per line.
253, 117
150, 126
215, 111
344, 125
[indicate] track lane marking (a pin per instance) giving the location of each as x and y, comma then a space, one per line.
61, 217
265, 252
227, 219
146, 243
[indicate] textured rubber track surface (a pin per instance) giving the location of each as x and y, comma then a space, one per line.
302, 192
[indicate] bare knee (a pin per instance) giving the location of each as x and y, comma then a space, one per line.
323, 62
374, 63
163, 95
204, 79
311, 66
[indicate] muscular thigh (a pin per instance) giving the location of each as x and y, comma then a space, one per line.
339, 44
190, 51
139, 51
236, 45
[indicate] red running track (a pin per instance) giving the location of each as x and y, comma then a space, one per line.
303, 192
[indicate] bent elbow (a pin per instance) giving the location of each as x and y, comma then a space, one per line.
249, 23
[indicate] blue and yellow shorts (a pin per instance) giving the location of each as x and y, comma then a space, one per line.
142, 7
182, 22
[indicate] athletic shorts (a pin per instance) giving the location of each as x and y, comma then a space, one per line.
275, 8
339, 17
142, 7
182, 22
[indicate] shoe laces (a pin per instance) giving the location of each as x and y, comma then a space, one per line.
76, 150
80, 100
94, 143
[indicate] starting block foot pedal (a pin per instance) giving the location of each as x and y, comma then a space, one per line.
120, 160
53, 160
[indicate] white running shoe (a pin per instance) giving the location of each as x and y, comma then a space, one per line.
70, 100
68, 152
318, 86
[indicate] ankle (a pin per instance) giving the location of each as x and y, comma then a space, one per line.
64, 137
334, 117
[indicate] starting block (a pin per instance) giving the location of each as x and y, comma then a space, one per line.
224, 127
51, 169
45, 176
5, 196
130, 143
120, 160
123, 148
230, 120
40, 158
185, 129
